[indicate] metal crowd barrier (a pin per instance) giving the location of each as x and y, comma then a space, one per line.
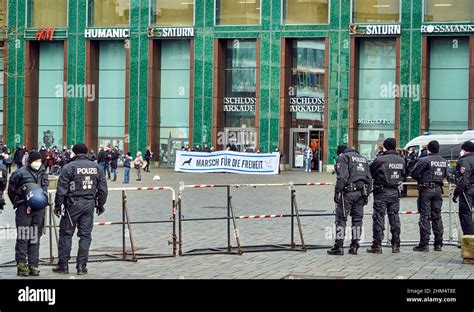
177, 239
126, 223
239, 249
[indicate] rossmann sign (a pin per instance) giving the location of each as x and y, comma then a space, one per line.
446, 29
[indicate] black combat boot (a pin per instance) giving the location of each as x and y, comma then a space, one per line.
34, 270
374, 249
336, 251
61, 268
354, 247
81, 269
438, 247
395, 249
422, 248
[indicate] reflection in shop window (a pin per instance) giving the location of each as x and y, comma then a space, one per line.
449, 85
376, 109
376, 11
306, 12
172, 12
449, 11
47, 13
50, 106
237, 12
308, 79
241, 79
109, 13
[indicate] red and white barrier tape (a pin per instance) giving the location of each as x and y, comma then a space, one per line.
103, 223
319, 183
261, 216
409, 212
202, 185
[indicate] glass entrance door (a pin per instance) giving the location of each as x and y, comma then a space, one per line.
300, 139
173, 146
243, 140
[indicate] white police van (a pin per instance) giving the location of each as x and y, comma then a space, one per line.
449, 144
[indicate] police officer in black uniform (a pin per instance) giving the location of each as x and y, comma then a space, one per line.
82, 187
430, 172
465, 187
388, 171
3, 185
29, 222
353, 187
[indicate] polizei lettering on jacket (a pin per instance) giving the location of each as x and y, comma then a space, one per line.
382, 30
441, 164
359, 159
86, 170
395, 166
115, 33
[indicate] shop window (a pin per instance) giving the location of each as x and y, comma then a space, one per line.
449, 11
111, 93
376, 11
241, 80
47, 13
241, 12
172, 12
376, 108
109, 13
306, 12
50, 105
448, 84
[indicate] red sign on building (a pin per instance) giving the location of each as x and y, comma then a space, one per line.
45, 33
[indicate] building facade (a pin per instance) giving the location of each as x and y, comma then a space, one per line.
259, 74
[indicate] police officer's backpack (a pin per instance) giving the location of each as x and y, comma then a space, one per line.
35, 196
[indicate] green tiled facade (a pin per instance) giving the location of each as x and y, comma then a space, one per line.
270, 33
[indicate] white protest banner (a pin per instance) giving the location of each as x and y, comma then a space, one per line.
227, 161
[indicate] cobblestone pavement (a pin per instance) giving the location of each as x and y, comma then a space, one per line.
207, 203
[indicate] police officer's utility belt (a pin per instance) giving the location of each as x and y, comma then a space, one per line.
354, 187
79, 198
379, 188
429, 185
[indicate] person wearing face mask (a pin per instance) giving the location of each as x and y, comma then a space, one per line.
464, 175
29, 218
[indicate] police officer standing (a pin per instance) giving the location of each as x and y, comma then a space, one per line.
430, 172
82, 187
465, 187
3, 185
29, 215
353, 187
388, 171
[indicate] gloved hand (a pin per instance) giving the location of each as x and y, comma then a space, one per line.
366, 200
100, 210
455, 196
337, 198
57, 210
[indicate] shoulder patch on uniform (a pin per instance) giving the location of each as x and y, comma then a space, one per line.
338, 166
462, 169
